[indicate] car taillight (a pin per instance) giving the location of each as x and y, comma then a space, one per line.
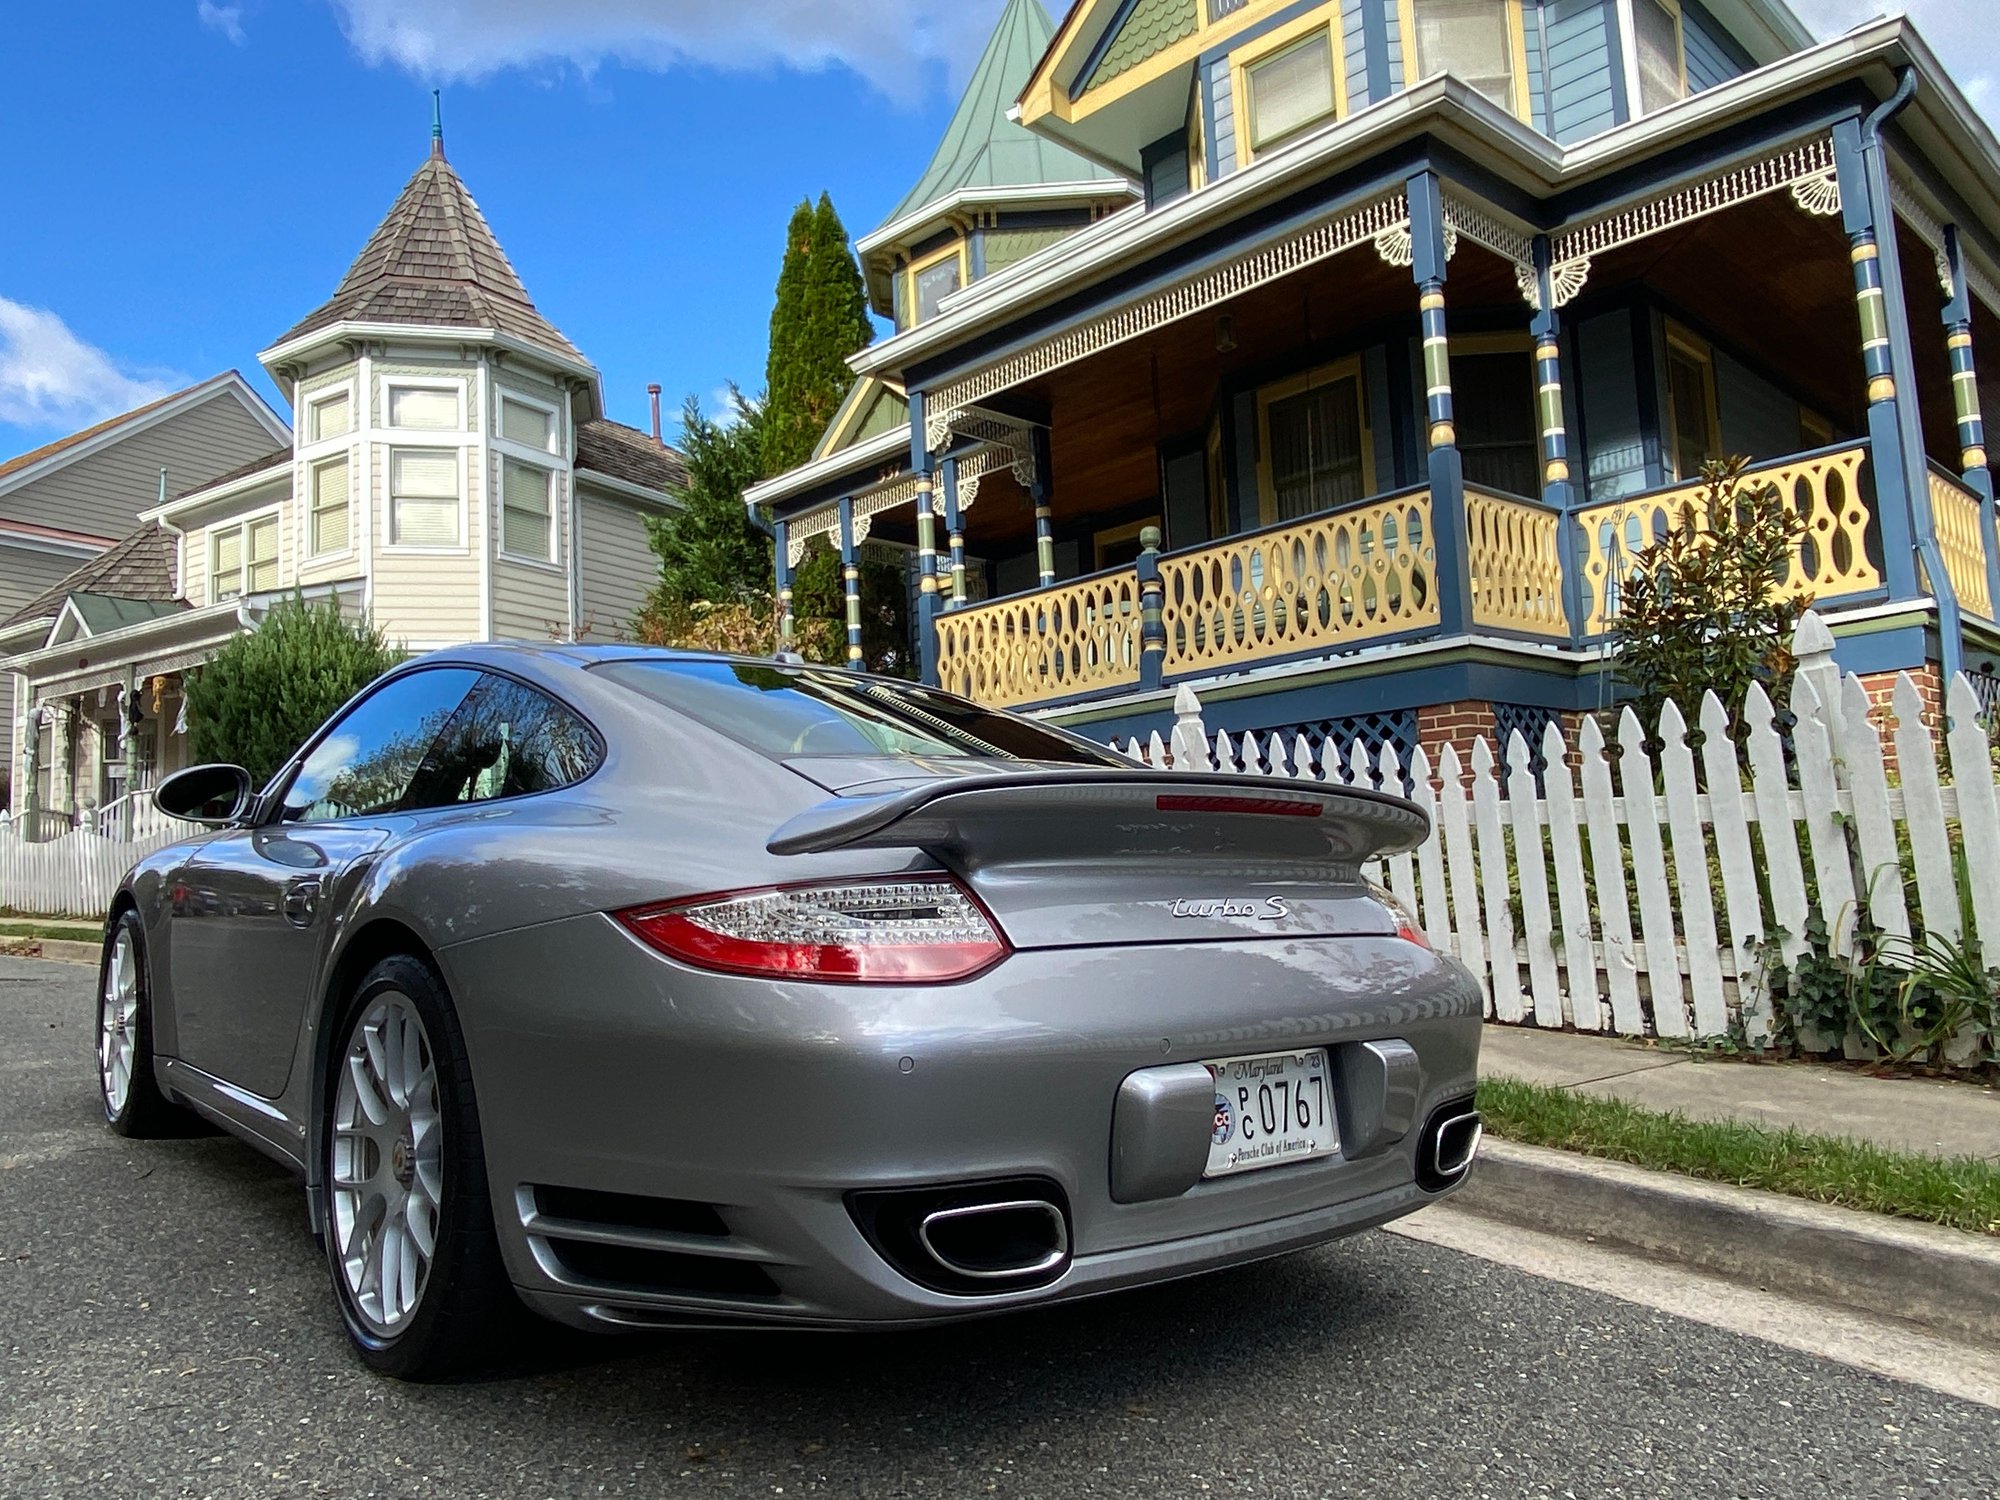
1407, 927
923, 931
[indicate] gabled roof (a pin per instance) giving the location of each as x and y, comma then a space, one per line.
982, 148
433, 261
870, 408
102, 612
140, 568
626, 453
66, 449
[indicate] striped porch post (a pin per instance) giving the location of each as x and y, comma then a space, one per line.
850, 573
782, 560
1450, 533
1152, 622
1045, 527
1965, 405
1558, 490
954, 531
927, 559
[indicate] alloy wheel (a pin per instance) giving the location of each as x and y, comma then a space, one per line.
385, 1167
118, 1023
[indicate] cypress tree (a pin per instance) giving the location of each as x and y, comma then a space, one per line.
819, 319
710, 552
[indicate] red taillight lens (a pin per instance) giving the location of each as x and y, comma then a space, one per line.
1269, 807
1408, 928
868, 932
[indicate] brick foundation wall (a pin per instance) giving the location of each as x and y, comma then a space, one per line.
1455, 724
1881, 690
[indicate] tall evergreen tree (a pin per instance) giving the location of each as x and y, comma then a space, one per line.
710, 552
820, 318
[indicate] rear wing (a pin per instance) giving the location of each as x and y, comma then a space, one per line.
1005, 817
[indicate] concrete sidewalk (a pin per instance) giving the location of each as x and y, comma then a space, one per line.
1911, 1115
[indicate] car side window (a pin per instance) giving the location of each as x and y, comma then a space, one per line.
507, 740
366, 762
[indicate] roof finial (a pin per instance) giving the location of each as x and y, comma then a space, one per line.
437, 123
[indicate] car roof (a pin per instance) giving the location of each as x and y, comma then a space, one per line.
585, 654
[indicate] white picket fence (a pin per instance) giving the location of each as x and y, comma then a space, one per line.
76, 873
1666, 957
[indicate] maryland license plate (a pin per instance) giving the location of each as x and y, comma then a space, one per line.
1269, 1110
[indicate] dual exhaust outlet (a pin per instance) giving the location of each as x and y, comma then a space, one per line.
1448, 1145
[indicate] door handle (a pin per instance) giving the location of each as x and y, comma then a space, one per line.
302, 901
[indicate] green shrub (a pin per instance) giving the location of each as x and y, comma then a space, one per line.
257, 699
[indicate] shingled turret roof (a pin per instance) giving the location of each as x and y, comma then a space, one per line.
434, 261
982, 148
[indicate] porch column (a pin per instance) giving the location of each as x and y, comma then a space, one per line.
1865, 218
31, 765
782, 564
850, 574
1045, 529
927, 583
1449, 533
1558, 490
954, 531
1152, 622
1965, 403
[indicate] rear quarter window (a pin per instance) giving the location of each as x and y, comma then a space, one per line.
784, 711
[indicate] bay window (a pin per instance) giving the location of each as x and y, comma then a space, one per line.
1289, 89
1656, 26
423, 497
424, 407
327, 500
1479, 42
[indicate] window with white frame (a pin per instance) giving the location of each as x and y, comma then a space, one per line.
1473, 40
329, 417
527, 510
327, 523
526, 423
243, 559
424, 408
423, 497
1656, 26
1290, 89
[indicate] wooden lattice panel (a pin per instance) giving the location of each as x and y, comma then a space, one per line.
1955, 510
1516, 556
1332, 581
1831, 561
1046, 645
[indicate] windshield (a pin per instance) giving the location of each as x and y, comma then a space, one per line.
784, 711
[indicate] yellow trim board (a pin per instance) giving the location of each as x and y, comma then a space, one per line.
1046, 95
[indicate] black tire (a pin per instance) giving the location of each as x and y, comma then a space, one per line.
143, 1113
466, 1308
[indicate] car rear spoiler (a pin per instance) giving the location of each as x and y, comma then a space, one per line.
1113, 812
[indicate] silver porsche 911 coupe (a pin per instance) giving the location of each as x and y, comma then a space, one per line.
661, 990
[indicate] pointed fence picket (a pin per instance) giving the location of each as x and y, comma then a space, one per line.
1646, 885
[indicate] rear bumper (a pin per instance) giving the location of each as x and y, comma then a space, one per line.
600, 1065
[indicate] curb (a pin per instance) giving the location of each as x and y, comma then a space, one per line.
64, 951
1942, 1279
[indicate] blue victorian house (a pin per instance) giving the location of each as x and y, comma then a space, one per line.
1337, 356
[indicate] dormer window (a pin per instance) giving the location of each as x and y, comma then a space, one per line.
931, 280
424, 408
1658, 42
1480, 42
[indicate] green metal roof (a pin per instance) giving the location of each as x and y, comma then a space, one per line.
982, 148
102, 612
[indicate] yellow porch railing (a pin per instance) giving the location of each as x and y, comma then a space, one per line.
1831, 561
1515, 552
1331, 580
1050, 644
1955, 509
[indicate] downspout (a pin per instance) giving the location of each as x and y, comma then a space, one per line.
1916, 461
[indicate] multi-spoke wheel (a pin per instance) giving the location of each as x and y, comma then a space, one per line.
133, 1104
409, 1225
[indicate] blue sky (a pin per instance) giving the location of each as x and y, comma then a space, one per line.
189, 177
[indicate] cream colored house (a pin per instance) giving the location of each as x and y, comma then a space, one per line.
450, 475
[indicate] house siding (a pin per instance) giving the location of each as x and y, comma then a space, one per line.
1538, 93
23, 575
618, 565
1712, 57
196, 540
1222, 117
1584, 68
1354, 49
426, 599
102, 493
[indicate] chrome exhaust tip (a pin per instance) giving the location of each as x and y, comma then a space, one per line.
1017, 1239
1456, 1143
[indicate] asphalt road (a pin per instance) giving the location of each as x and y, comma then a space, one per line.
165, 1330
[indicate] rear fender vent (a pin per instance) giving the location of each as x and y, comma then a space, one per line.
626, 1242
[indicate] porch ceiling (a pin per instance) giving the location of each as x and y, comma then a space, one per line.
1111, 411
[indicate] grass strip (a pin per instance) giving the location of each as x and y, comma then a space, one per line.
1959, 1192
77, 933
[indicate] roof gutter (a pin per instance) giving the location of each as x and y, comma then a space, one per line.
1874, 161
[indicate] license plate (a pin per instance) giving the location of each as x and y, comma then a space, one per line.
1269, 1110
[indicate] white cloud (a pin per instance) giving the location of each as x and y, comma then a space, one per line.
1960, 31
227, 19
50, 378
894, 44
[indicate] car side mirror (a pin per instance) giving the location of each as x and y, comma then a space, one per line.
214, 796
